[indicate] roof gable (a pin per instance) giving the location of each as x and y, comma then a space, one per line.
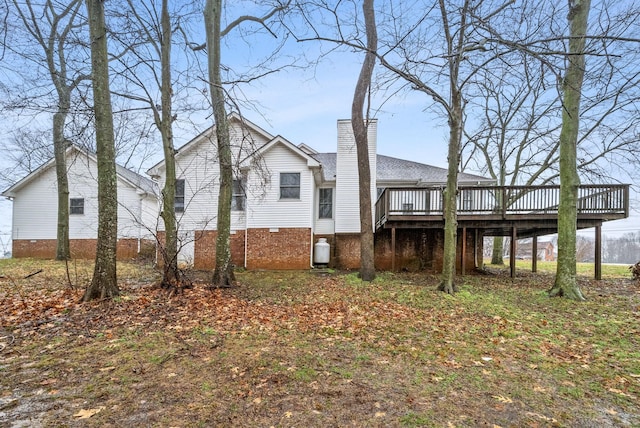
207, 135
279, 140
132, 178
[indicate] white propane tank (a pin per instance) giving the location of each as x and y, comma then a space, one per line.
321, 252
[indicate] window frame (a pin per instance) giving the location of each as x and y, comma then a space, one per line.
73, 206
179, 198
238, 195
328, 203
290, 186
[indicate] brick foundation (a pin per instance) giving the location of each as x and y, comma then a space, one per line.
127, 248
286, 248
205, 249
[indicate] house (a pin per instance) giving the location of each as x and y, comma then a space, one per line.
35, 204
286, 197
545, 250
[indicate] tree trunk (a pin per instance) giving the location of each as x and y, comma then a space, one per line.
63, 251
55, 36
455, 53
497, 256
104, 283
367, 256
171, 274
223, 275
450, 198
565, 283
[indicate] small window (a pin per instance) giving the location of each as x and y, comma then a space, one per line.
76, 206
325, 207
289, 185
238, 196
179, 197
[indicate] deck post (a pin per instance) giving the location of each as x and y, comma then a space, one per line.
477, 253
393, 249
463, 254
512, 252
598, 253
534, 254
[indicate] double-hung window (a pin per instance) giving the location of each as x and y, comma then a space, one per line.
76, 206
289, 185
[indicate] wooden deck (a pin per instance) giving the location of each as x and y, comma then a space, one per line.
515, 211
497, 210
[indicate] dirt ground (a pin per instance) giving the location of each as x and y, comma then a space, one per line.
319, 349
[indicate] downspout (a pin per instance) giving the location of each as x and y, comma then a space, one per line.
140, 225
313, 216
246, 229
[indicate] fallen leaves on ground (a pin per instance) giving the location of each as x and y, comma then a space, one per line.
297, 348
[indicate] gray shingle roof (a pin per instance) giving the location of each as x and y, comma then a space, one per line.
138, 180
391, 169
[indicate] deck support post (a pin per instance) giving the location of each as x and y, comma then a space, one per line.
477, 252
598, 253
534, 254
512, 252
393, 249
463, 254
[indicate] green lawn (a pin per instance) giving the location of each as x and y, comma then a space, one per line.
583, 269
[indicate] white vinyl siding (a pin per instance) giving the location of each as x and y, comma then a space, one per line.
347, 206
36, 204
325, 226
198, 165
266, 209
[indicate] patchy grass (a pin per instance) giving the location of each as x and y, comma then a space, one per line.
317, 349
582, 269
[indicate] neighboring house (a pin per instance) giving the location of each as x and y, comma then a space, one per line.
35, 205
285, 197
545, 250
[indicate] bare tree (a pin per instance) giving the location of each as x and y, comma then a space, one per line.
622, 249
223, 275
359, 124
518, 108
436, 50
565, 283
146, 68
25, 151
585, 249
163, 122
53, 27
104, 283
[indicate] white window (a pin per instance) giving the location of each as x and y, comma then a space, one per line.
76, 206
238, 196
325, 203
289, 185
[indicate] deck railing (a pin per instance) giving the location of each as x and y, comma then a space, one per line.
502, 201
